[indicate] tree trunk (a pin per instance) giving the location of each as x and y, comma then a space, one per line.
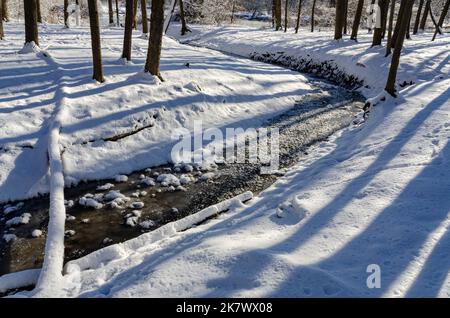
357, 20
423, 22
408, 35
441, 18
417, 20
95, 41
403, 25
31, 28
313, 11
184, 27
345, 16
110, 12
38, 11
129, 11
5, 12
233, 8
135, 5
117, 13
273, 13
155, 41
286, 4
169, 18
66, 13
144, 16
397, 24
380, 20
339, 19
277, 15
434, 20
2, 34
298, 15
391, 25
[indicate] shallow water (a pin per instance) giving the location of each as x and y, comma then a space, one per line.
313, 118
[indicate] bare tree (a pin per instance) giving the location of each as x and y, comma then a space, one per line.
38, 11
155, 41
403, 25
357, 20
417, 20
110, 12
277, 15
66, 13
184, 27
313, 11
144, 17
286, 7
135, 5
298, 15
233, 9
381, 18
339, 19
31, 28
391, 25
441, 18
5, 13
117, 14
127, 37
95, 41
2, 34
345, 16
423, 21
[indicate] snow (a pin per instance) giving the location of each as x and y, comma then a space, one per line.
9, 237
90, 202
23, 219
106, 186
36, 233
168, 179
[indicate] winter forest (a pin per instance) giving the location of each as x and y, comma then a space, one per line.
224, 149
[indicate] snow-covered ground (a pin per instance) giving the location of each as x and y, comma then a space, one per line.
372, 196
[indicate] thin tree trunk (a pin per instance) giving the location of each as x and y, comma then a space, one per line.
434, 20
144, 16
135, 5
155, 41
233, 7
169, 18
286, 4
298, 15
397, 23
110, 12
184, 27
357, 20
5, 12
385, 20
391, 25
345, 16
381, 16
273, 13
38, 11
423, 22
66, 13
390, 84
417, 20
95, 41
339, 19
278, 15
127, 37
408, 35
31, 28
313, 11
441, 18
2, 34
117, 13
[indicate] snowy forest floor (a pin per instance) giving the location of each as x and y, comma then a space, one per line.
374, 194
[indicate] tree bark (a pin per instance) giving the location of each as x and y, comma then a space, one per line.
95, 41
313, 11
391, 25
299, 11
277, 15
38, 11
144, 16
184, 27
5, 12
2, 33
339, 19
397, 24
441, 19
417, 20
357, 20
110, 12
31, 28
434, 20
286, 4
127, 37
408, 35
155, 41
233, 8
345, 16
423, 21
135, 5
117, 13
66, 13
381, 18
403, 25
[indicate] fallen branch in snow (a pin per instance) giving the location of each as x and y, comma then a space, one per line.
121, 250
